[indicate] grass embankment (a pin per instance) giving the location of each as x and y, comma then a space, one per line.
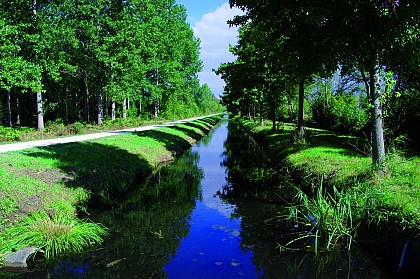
61, 181
342, 167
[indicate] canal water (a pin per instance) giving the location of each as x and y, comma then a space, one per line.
206, 215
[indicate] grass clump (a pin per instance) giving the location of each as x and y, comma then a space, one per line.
54, 234
329, 216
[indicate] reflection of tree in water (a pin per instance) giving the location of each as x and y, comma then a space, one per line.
152, 222
145, 229
263, 225
249, 170
208, 138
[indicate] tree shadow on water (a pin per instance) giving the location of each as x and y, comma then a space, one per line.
105, 171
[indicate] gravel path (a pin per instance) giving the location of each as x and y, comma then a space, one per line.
39, 143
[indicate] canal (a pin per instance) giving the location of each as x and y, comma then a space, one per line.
206, 215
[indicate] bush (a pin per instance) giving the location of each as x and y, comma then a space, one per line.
56, 127
78, 127
341, 113
9, 134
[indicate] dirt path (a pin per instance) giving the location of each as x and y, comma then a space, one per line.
40, 143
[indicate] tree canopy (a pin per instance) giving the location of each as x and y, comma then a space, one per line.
74, 59
304, 39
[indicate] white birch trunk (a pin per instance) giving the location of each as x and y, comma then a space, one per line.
125, 108
113, 113
378, 143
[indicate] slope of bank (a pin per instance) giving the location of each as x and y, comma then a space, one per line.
68, 179
385, 211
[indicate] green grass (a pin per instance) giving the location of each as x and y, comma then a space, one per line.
54, 234
343, 162
329, 216
72, 177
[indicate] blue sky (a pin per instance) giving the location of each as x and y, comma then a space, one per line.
208, 20
197, 8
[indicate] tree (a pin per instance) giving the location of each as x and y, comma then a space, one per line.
295, 41
80, 56
318, 35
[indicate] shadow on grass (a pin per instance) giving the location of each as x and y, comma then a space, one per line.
171, 142
106, 171
200, 127
189, 132
345, 146
328, 148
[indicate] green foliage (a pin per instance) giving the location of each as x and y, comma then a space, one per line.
56, 127
78, 127
84, 55
9, 134
341, 112
54, 234
288, 42
7, 206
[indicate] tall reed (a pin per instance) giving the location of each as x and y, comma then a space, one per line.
330, 217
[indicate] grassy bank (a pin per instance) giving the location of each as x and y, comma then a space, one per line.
64, 181
341, 167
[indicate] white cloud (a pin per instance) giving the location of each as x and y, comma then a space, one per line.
216, 35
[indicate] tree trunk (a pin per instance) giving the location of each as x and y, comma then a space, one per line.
100, 104
125, 108
113, 113
9, 109
261, 113
67, 103
273, 109
39, 108
86, 99
100, 108
156, 108
140, 108
378, 144
301, 117
274, 116
76, 101
18, 110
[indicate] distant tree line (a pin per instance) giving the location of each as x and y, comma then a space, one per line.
90, 60
344, 64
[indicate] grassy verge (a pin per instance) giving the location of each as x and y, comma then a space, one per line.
44, 189
341, 166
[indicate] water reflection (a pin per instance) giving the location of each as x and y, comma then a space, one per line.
212, 248
180, 225
263, 224
145, 229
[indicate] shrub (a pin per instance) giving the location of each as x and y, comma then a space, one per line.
9, 134
78, 127
341, 113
